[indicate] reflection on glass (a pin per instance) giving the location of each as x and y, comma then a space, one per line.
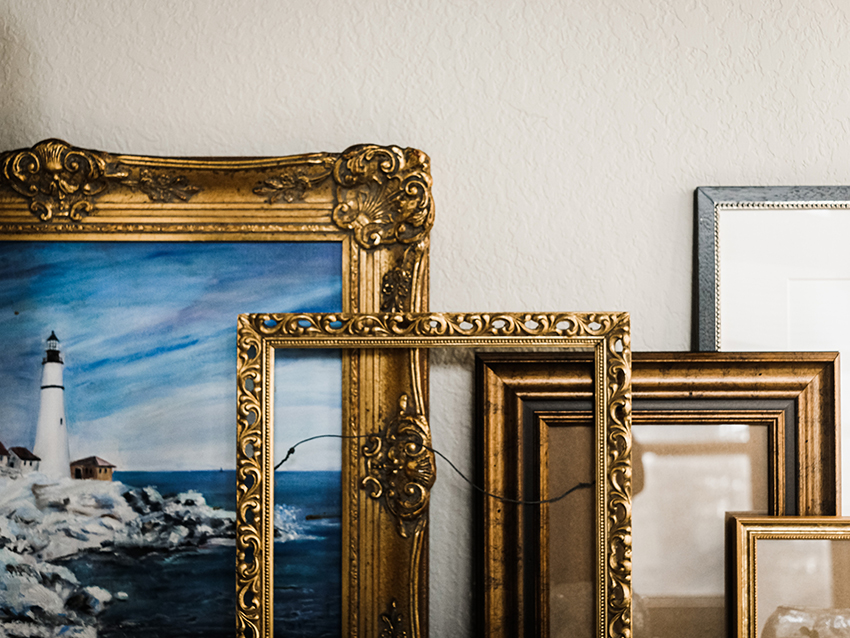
802, 588
685, 479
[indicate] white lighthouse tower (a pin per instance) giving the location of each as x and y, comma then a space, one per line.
51, 434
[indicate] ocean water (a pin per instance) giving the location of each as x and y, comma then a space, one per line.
192, 592
307, 512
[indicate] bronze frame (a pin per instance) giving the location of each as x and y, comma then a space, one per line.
743, 532
375, 201
388, 479
737, 386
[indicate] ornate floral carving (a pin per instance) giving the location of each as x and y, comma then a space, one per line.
398, 283
252, 540
395, 289
383, 194
424, 329
291, 185
393, 622
619, 478
60, 181
161, 186
400, 467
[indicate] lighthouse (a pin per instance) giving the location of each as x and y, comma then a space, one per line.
51, 434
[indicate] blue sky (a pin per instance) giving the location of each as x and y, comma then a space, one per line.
148, 334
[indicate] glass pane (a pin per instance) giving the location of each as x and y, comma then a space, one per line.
802, 587
685, 479
572, 533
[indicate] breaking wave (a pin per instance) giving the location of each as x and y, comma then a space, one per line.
290, 525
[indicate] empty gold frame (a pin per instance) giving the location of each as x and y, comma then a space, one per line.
370, 204
788, 576
532, 409
388, 465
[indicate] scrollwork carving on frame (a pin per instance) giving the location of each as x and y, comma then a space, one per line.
59, 180
393, 622
440, 329
290, 185
618, 446
162, 186
400, 467
511, 563
384, 194
56, 192
398, 282
396, 461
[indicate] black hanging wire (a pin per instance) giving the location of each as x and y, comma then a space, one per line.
504, 499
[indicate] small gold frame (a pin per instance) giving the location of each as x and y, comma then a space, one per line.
387, 480
743, 534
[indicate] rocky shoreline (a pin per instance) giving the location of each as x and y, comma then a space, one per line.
44, 521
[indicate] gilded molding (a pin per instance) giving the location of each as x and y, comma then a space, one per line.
618, 475
293, 183
393, 623
400, 466
60, 181
383, 194
252, 591
200, 228
511, 563
162, 186
398, 282
406, 330
59, 193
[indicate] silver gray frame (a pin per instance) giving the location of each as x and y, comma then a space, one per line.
705, 335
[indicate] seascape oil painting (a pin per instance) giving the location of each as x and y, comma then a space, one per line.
118, 437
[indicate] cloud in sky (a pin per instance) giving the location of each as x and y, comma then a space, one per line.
148, 333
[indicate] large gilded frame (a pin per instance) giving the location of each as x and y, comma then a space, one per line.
743, 533
794, 394
374, 200
388, 464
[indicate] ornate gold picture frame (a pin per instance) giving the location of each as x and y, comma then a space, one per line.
788, 575
791, 397
366, 212
389, 465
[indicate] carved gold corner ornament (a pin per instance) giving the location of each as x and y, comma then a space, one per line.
384, 194
400, 467
60, 181
385, 524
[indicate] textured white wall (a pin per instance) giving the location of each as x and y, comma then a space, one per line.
566, 137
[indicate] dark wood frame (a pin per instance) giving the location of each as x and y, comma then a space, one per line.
795, 392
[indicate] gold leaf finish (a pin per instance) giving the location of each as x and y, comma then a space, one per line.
513, 562
253, 593
442, 329
162, 186
400, 467
59, 180
393, 623
292, 185
382, 358
384, 194
59, 193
